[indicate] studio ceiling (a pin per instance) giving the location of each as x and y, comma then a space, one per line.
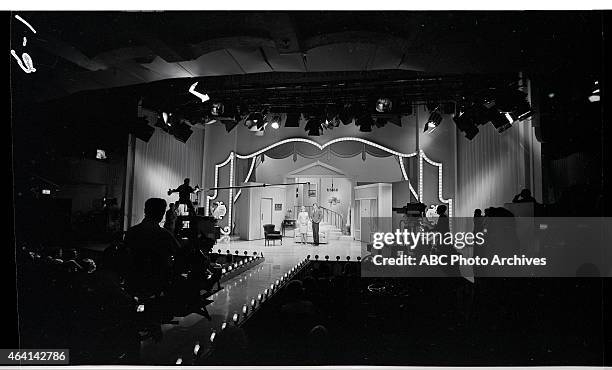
78, 51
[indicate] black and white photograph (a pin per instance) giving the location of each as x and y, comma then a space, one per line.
309, 187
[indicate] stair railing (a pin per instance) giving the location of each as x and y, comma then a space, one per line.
329, 215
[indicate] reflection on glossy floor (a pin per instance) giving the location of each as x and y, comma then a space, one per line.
179, 340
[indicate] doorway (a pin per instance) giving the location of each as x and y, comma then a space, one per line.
265, 214
365, 219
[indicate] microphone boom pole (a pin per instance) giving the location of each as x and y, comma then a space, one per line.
256, 186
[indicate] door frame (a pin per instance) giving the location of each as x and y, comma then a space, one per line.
357, 236
261, 221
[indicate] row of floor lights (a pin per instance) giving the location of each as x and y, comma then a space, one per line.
254, 303
348, 258
235, 318
235, 265
197, 347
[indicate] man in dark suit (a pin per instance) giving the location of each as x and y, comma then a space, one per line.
316, 217
152, 248
185, 191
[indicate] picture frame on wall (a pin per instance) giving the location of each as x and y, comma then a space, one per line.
278, 206
312, 193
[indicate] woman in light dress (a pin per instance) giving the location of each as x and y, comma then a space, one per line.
302, 221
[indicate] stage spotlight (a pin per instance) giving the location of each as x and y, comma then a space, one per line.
470, 117
253, 121
347, 114
326, 125
466, 124
217, 109
514, 102
313, 126
331, 116
261, 123
384, 105
274, 120
365, 123
501, 120
164, 121
433, 122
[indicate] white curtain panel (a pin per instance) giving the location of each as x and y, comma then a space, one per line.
163, 163
492, 168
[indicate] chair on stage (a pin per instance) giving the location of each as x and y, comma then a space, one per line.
271, 234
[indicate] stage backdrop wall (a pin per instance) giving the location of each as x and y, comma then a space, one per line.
486, 171
378, 166
162, 164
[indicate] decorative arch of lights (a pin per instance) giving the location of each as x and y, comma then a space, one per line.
231, 159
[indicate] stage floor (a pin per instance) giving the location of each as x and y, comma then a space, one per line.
179, 340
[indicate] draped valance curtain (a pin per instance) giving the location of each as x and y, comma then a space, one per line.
343, 149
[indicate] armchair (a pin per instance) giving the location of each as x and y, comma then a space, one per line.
271, 234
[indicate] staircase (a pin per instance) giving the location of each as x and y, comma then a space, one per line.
333, 232
331, 223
